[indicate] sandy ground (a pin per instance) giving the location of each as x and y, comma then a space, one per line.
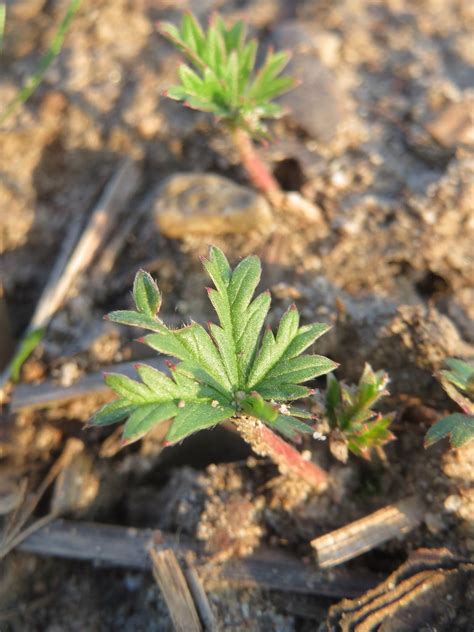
379, 136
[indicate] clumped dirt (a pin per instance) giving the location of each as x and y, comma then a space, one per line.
387, 261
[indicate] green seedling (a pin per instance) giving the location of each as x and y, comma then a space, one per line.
458, 381
29, 343
220, 77
230, 371
348, 417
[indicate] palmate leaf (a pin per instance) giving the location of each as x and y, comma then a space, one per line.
147, 298
274, 368
456, 380
229, 371
370, 389
290, 427
240, 318
459, 428
158, 398
193, 345
460, 373
196, 416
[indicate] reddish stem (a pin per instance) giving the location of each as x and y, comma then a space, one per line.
258, 172
266, 443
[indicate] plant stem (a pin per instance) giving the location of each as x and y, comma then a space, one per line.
256, 169
265, 442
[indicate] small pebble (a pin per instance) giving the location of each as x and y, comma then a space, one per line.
452, 503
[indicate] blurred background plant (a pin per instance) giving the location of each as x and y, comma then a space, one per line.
221, 78
3, 15
34, 80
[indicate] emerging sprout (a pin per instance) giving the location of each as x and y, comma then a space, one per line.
353, 425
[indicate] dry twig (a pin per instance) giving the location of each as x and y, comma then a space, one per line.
199, 595
170, 578
14, 533
365, 534
117, 193
126, 547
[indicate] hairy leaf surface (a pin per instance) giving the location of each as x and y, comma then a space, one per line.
230, 370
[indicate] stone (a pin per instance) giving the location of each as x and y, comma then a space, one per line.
328, 46
454, 125
317, 105
208, 204
304, 210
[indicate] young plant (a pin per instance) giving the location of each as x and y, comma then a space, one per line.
458, 381
229, 372
220, 78
352, 424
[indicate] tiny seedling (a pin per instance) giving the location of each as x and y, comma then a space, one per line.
458, 382
348, 416
230, 372
220, 77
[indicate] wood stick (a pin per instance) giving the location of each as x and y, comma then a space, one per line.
108, 256
170, 578
15, 540
104, 544
127, 547
365, 534
48, 393
200, 597
12, 534
116, 194
44, 308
